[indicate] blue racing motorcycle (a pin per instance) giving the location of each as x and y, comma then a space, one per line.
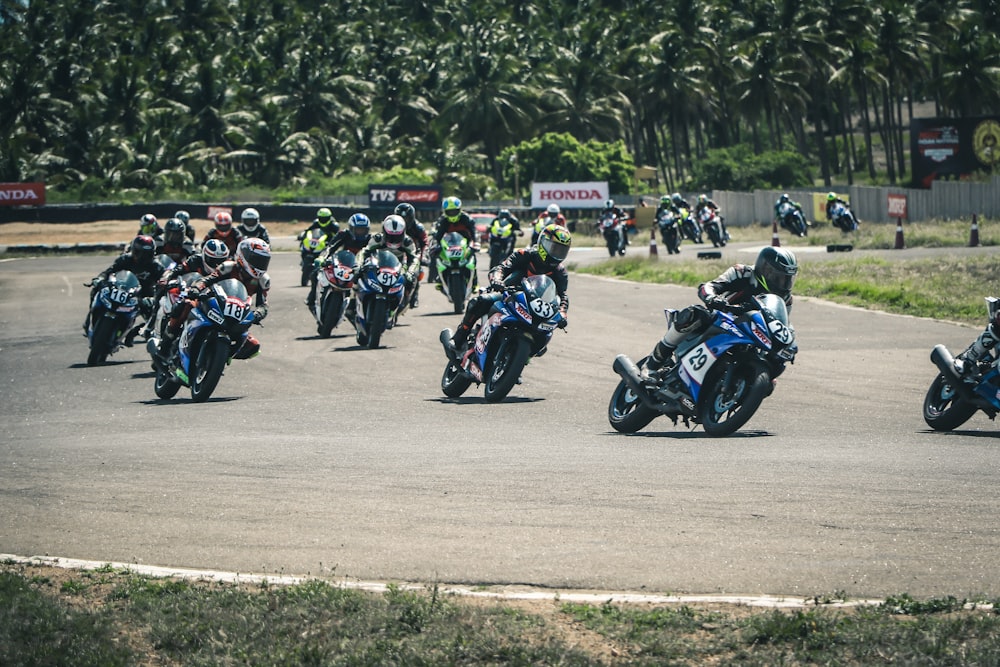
112, 315
518, 327
721, 376
214, 332
380, 301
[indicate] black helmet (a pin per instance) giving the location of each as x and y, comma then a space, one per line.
503, 214
142, 249
406, 211
173, 231
775, 270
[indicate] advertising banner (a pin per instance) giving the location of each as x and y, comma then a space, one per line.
897, 206
387, 196
953, 148
22, 194
591, 194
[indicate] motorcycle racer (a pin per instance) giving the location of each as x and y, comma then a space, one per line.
224, 231
355, 238
416, 231
250, 226
139, 259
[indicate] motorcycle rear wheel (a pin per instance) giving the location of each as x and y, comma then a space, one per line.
102, 341
722, 414
505, 368
944, 410
454, 382
332, 304
626, 411
208, 367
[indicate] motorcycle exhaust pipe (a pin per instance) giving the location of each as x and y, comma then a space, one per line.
152, 346
945, 362
630, 373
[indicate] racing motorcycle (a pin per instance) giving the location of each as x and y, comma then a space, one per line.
214, 333
690, 229
517, 328
842, 218
381, 286
456, 269
613, 231
721, 376
712, 225
667, 222
791, 219
335, 282
311, 247
112, 315
176, 291
952, 399
502, 241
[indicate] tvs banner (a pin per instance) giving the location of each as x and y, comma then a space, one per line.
591, 194
953, 148
421, 196
22, 194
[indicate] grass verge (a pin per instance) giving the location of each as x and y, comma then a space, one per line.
944, 288
111, 617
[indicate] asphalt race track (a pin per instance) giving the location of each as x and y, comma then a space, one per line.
321, 458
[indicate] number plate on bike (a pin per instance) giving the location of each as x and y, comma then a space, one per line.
697, 362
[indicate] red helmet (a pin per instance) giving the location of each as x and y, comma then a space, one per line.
223, 222
142, 248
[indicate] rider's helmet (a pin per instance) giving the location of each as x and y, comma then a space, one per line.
213, 253
253, 256
250, 218
702, 199
173, 231
831, 196
406, 211
676, 199
665, 199
552, 210
452, 207
394, 230
775, 270
609, 204
360, 225
553, 244
503, 214
324, 217
142, 249
183, 216
783, 198
223, 222
148, 224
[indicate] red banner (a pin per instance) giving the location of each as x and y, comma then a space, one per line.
897, 206
22, 194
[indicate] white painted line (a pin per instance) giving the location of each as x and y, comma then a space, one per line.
595, 598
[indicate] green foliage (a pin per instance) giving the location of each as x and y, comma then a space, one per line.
738, 168
560, 157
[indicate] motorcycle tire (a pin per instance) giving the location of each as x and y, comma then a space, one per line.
102, 341
208, 367
944, 409
612, 247
505, 368
454, 382
626, 411
333, 302
307, 269
376, 323
165, 385
456, 289
722, 415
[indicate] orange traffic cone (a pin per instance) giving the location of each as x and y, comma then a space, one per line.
974, 234
774, 235
900, 244
652, 242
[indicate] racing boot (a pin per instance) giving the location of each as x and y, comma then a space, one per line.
460, 337
967, 363
661, 357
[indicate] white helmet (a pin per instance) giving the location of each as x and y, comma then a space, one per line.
394, 230
250, 218
553, 210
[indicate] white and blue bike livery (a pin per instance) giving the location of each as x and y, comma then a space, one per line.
721, 376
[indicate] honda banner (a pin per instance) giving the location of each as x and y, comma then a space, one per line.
590, 194
22, 194
388, 196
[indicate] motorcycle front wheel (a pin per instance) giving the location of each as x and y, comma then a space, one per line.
332, 302
208, 367
456, 289
505, 369
626, 411
722, 411
307, 269
102, 341
944, 409
376, 322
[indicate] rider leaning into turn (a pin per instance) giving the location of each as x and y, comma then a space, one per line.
832, 200
545, 258
705, 202
772, 273
140, 260
212, 254
785, 199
